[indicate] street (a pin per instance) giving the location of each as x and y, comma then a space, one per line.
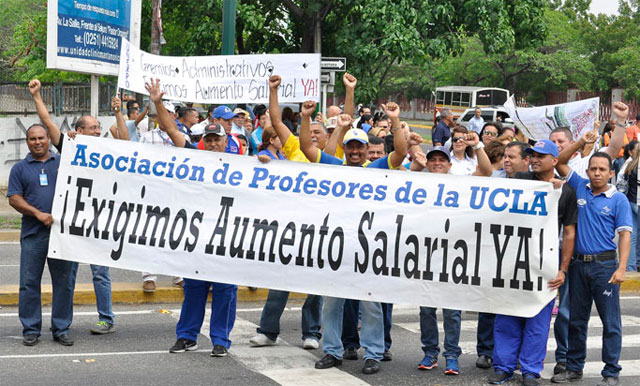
137, 353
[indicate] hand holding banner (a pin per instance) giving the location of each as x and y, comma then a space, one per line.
222, 79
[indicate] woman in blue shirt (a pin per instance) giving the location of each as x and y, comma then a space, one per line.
271, 145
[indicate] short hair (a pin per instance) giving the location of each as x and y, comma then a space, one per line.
445, 113
131, 103
80, 122
600, 154
522, 147
495, 151
362, 109
185, 110
497, 125
241, 136
318, 124
259, 110
38, 125
563, 129
373, 140
287, 113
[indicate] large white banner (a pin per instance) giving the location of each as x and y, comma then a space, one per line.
473, 243
222, 79
538, 122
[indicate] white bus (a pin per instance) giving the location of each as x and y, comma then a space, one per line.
459, 98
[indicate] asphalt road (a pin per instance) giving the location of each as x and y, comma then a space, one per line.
137, 353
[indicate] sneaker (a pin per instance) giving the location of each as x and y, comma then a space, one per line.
484, 362
149, 286
102, 328
371, 366
183, 344
219, 351
350, 354
63, 339
452, 367
567, 376
609, 381
560, 367
30, 340
310, 344
327, 362
261, 340
428, 363
387, 356
529, 379
499, 377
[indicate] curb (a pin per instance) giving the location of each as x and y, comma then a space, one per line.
9, 235
131, 293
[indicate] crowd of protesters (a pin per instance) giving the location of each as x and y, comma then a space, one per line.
591, 213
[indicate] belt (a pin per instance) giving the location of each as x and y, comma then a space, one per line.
604, 256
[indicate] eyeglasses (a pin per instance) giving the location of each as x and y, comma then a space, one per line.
94, 127
457, 139
490, 133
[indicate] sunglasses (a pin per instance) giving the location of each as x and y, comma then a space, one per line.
490, 133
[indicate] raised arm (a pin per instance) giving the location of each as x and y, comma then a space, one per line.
562, 167
165, 120
418, 158
335, 140
121, 126
484, 163
141, 115
620, 112
274, 110
310, 151
350, 82
399, 140
43, 113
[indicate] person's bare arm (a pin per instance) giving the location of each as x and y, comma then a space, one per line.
563, 159
620, 112
141, 115
568, 242
121, 127
624, 246
484, 163
165, 120
310, 151
335, 140
43, 113
350, 82
399, 141
274, 110
18, 203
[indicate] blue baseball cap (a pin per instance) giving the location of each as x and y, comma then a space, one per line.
439, 149
223, 112
544, 146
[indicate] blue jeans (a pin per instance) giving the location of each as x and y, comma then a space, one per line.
33, 255
522, 340
633, 253
485, 334
273, 308
561, 324
350, 336
588, 283
102, 289
372, 333
223, 311
429, 332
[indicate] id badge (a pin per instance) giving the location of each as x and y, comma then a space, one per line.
43, 180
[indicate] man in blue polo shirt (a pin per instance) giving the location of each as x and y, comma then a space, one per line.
595, 273
355, 143
32, 184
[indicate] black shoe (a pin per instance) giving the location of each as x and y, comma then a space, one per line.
609, 381
560, 367
350, 354
529, 380
567, 376
183, 344
484, 362
30, 340
371, 366
328, 361
219, 351
387, 356
499, 377
63, 339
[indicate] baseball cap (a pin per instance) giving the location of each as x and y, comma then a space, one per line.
544, 146
332, 123
223, 112
169, 106
239, 111
366, 127
214, 128
439, 149
356, 135
197, 129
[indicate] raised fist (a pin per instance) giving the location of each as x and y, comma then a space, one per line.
392, 110
415, 139
621, 111
116, 104
34, 86
471, 139
349, 80
274, 81
308, 108
344, 120
590, 137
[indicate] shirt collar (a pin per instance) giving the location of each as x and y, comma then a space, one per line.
30, 159
607, 193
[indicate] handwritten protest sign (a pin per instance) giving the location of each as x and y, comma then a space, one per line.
222, 79
481, 244
538, 122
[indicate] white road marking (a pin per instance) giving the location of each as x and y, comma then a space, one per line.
89, 354
630, 368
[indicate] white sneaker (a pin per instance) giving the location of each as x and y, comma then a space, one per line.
310, 344
262, 340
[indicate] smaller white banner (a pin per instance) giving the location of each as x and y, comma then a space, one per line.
538, 122
222, 79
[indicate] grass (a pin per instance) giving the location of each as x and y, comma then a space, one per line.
10, 222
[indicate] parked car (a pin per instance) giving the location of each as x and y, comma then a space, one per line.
489, 114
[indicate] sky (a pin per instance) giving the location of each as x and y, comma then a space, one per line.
608, 7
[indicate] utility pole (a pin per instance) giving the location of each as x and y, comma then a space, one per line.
228, 27
155, 27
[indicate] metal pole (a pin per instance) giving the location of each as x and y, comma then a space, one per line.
228, 27
324, 99
95, 88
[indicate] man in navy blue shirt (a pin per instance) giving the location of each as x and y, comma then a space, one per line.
442, 132
32, 184
595, 273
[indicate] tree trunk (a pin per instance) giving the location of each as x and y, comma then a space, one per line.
155, 31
